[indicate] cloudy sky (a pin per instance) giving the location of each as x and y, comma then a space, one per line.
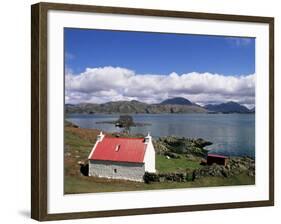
102, 66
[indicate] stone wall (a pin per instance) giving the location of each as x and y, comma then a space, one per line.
235, 166
166, 177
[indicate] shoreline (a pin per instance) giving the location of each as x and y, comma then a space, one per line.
141, 124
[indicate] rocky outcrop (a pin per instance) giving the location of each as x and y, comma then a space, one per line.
234, 166
180, 145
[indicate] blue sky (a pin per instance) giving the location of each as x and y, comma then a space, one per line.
155, 53
104, 66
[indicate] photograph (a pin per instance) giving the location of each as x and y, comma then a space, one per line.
153, 111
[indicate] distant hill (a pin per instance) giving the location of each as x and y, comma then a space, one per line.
131, 107
177, 101
229, 107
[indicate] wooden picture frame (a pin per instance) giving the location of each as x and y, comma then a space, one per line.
39, 109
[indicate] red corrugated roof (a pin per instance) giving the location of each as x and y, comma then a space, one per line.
217, 156
120, 149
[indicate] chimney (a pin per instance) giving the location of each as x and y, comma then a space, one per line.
100, 137
147, 138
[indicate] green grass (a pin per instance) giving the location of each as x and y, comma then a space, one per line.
75, 141
76, 145
164, 165
89, 184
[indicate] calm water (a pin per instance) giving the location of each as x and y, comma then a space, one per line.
231, 134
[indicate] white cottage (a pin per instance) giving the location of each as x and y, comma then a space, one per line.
122, 158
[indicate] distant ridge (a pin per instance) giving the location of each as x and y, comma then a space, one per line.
177, 101
134, 106
228, 107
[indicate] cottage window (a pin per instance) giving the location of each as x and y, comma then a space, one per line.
115, 170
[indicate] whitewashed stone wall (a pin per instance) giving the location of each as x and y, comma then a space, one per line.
149, 158
116, 170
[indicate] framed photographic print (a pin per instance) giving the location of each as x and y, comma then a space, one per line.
140, 111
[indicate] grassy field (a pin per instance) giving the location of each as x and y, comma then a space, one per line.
90, 184
78, 144
164, 165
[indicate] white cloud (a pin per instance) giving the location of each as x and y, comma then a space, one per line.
99, 85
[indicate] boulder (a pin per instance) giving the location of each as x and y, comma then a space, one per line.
172, 155
203, 162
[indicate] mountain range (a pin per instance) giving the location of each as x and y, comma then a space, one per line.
172, 105
228, 107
